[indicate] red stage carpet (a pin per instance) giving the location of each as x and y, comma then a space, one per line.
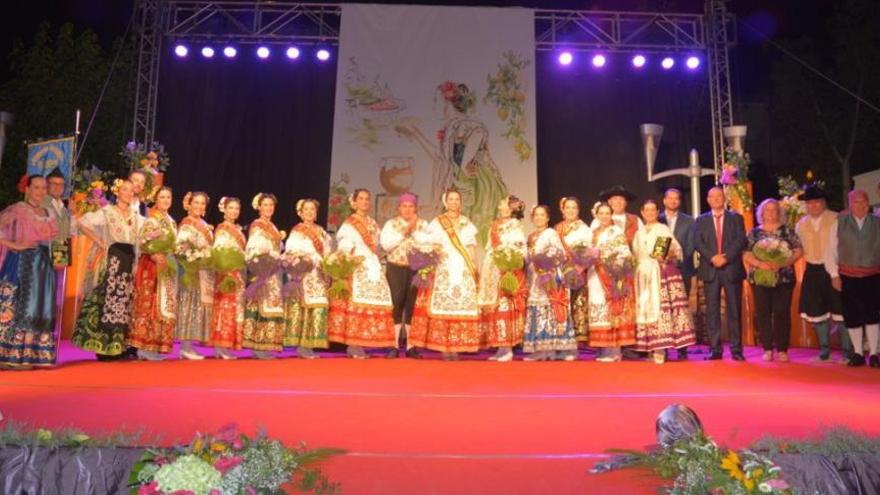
425, 427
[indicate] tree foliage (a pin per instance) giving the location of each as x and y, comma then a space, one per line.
51, 76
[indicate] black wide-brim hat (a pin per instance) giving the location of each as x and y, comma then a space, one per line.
616, 191
813, 191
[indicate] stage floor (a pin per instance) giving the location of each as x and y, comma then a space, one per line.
434, 427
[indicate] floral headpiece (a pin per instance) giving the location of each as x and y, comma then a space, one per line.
187, 199
117, 183
221, 205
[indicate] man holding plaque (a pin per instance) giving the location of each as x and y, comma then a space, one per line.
60, 251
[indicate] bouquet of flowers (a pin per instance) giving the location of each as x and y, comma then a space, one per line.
192, 256
262, 266
339, 267
230, 462
508, 260
583, 257
792, 206
546, 264
619, 264
296, 265
771, 250
226, 262
90, 190
159, 240
423, 260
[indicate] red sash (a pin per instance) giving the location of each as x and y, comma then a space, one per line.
313, 234
364, 230
446, 223
235, 232
201, 226
269, 227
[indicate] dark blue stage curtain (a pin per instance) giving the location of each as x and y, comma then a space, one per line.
235, 127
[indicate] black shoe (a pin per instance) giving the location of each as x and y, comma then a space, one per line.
856, 361
874, 361
682, 354
107, 357
738, 356
714, 356
129, 354
413, 353
632, 355
392, 354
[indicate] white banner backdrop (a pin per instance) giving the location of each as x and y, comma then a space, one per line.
434, 97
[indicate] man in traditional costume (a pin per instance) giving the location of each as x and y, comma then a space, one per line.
396, 240
853, 262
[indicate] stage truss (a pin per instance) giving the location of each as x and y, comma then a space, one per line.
710, 34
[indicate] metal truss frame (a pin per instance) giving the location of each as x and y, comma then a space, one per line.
252, 22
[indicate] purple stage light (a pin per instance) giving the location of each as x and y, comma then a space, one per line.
207, 52
263, 52
566, 58
692, 62
599, 61
292, 53
230, 52
323, 54
639, 61
667, 63
181, 51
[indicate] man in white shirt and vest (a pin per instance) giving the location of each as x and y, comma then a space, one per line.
853, 262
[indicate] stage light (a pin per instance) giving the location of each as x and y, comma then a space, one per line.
181, 51
639, 61
599, 61
293, 53
323, 54
667, 63
692, 62
230, 51
566, 58
263, 52
207, 52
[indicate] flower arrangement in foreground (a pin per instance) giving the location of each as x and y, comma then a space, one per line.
508, 260
229, 462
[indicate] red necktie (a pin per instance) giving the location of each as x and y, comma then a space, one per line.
718, 233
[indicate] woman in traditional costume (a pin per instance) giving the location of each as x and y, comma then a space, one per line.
264, 313
27, 281
610, 289
155, 284
548, 325
363, 318
306, 309
196, 292
502, 311
105, 316
576, 234
227, 317
446, 316
663, 318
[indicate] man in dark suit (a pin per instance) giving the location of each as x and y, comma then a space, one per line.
681, 225
720, 238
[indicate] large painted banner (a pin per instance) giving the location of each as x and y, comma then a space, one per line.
45, 156
429, 98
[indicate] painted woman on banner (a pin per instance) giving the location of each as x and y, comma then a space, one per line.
27, 281
548, 322
610, 289
227, 317
663, 316
105, 316
154, 315
461, 156
576, 234
363, 318
447, 317
307, 308
503, 305
196, 292
264, 314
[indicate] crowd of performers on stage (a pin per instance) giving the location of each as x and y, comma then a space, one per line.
618, 285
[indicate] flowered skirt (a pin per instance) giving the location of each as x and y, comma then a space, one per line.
675, 327
305, 326
194, 314
544, 331
104, 319
361, 325
227, 316
264, 319
27, 308
442, 334
502, 325
580, 313
150, 330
